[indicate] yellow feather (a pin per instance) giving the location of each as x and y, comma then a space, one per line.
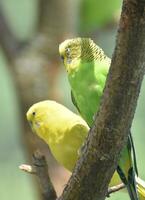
140, 188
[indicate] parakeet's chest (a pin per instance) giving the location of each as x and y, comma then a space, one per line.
64, 138
87, 87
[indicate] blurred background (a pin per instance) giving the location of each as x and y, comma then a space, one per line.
31, 70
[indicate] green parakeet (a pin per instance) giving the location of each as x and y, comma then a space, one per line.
87, 67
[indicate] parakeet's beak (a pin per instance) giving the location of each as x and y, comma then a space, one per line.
30, 123
29, 119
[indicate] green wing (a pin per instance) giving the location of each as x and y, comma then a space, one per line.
134, 153
74, 101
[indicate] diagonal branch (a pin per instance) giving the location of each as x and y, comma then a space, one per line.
99, 158
40, 169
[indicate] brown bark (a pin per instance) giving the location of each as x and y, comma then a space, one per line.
47, 188
99, 158
40, 169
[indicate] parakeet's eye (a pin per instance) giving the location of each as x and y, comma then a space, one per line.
33, 113
62, 57
68, 55
67, 51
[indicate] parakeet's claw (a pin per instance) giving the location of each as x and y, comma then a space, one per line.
80, 150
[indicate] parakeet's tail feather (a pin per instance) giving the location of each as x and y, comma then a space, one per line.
134, 154
140, 188
130, 183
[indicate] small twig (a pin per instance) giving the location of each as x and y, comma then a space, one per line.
28, 168
40, 169
115, 188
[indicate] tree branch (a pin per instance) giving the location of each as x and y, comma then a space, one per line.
40, 169
106, 139
115, 188
28, 168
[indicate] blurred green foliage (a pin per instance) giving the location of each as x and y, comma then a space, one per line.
22, 17
94, 14
13, 183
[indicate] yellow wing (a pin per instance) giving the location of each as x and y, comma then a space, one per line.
66, 150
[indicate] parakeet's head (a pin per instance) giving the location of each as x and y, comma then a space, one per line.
79, 49
38, 113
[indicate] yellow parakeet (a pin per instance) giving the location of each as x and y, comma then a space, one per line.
64, 132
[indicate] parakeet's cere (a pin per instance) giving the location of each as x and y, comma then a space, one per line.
87, 67
64, 132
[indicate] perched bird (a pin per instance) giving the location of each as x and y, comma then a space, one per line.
60, 128
87, 67
64, 132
